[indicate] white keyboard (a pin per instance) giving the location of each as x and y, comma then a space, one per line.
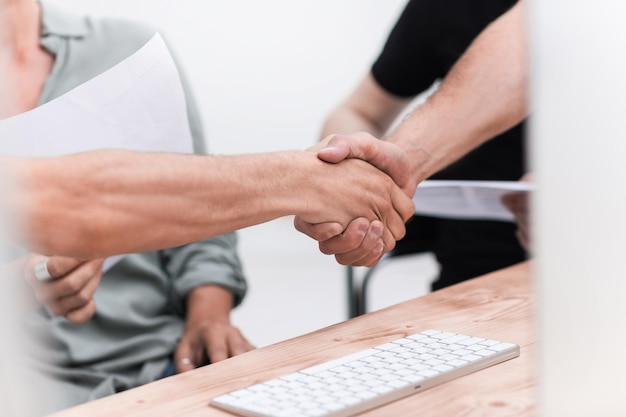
368, 378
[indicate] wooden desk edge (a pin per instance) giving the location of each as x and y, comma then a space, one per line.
482, 299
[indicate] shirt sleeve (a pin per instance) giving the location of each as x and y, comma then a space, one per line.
408, 63
209, 262
428, 38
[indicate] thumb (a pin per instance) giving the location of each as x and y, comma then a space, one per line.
357, 145
334, 154
386, 156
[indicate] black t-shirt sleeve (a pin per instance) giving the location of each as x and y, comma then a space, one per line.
428, 38
408, 63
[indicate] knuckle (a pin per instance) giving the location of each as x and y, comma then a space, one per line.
72, 284
399, 233
93, 268
326, 248
55, 308
343, 260
83, 297
53, 268
80, 316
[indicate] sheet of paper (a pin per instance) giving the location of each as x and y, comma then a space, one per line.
139, 104
478, 200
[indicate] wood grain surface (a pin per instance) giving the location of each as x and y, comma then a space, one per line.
499, 306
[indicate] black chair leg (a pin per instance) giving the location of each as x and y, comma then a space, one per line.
357, 288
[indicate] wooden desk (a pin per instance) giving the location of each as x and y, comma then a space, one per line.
499, 306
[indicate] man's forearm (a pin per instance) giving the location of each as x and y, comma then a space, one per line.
483, 95
100, 203
369, 109
346, 120
117, 201
209, 302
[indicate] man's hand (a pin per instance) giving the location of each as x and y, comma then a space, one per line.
518, 204
209, 336
349, 190
70, 291
385, 156
360, 243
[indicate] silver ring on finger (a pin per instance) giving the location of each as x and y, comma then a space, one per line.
41, 271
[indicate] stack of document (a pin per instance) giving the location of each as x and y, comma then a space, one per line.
469, 200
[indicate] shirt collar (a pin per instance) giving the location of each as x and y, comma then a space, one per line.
61, 23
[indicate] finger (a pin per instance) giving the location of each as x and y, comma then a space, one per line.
72, 283
319, 231
395, 221
369, 259
79, 299
83, 314
59, 266
29, 270
357, 145
523, 239
56, 266
217, 345
238, 343
521, 219
184, 356
510, 201
352, 238
335, 152
515, 202
226, 343
404, 205
395, 227
368, 250
389, 240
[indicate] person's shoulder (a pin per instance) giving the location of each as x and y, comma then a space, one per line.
119, 32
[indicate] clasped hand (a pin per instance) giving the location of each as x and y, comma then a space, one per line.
365, 240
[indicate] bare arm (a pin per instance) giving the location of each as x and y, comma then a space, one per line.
369, 108
484, 94
99, 203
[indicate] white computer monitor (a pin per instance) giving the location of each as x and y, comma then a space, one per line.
578, 152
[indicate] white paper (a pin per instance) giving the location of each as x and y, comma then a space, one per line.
139, 104
477, 200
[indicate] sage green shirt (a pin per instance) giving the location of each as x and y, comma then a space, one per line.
141, 299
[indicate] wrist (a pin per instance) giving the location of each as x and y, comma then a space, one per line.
208, 303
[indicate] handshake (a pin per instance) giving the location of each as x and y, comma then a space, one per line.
372, 196
352, 193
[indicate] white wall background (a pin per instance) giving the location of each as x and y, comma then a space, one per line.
265, 74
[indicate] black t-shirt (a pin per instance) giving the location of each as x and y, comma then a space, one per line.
427, 40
